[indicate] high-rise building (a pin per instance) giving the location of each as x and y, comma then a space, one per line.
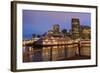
85, 32
75, 28
56, 28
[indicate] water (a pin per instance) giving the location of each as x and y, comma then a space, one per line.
51, 53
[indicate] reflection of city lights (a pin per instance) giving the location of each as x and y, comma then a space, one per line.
56, 43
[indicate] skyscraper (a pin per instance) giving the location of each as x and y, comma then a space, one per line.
75, 28
56, 28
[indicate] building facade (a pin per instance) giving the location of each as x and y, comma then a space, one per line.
75, 28
85, 32
56, 46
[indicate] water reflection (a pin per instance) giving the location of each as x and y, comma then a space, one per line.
47, 53
52, 53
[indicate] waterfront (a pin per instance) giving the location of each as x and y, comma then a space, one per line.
56, 44
70, 51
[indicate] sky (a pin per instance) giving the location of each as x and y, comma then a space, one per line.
38, 22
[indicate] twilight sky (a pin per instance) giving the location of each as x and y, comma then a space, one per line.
39, 22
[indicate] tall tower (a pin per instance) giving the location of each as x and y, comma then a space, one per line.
56, 28
75, 28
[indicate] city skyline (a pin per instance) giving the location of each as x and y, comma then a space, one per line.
39, 22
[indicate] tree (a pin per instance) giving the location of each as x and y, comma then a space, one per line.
64, 31
38, 36
33, 35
